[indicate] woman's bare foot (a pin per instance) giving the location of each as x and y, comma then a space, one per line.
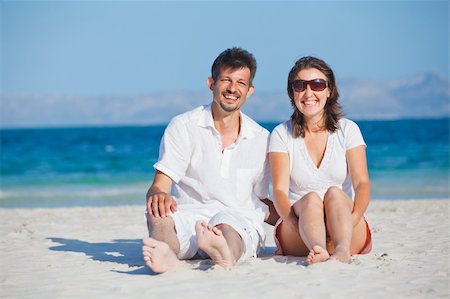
159, 257
341, 255
317, 255
211, 240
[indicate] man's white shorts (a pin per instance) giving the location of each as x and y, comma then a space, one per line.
185, 220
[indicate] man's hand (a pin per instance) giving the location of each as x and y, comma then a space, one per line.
160, 204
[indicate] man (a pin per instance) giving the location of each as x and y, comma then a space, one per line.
214, 160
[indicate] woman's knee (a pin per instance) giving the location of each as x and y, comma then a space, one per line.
333, 191
335, 195
310, 200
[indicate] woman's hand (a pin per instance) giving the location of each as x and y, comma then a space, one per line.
356, 218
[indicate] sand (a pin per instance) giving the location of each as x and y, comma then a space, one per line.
95, 252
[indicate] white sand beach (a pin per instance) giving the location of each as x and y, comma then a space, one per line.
95, 252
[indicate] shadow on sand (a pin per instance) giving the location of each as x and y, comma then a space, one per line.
125, 252
129, 252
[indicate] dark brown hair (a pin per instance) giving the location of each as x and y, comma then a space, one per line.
234, 58
333, 110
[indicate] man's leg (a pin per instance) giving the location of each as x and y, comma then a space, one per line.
221, 243
161, 248
163, 229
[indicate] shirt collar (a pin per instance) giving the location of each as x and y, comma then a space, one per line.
206, 121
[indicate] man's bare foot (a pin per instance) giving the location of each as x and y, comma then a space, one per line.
317, 255
341, 255
159, 257
211, 240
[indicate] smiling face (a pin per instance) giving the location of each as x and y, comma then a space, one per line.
231, 88
311, 103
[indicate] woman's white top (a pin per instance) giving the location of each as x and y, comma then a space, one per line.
305, 176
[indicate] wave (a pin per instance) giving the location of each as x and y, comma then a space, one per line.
64, 196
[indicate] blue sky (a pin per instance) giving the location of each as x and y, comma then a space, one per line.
87, 48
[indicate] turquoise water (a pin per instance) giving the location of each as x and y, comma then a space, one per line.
408, 159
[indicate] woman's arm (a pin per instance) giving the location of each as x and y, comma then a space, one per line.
357, 163
280, 183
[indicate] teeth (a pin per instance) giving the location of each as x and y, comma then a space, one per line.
309, 103
230, 97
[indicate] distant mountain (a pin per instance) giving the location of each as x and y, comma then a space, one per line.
423, 96
31, 110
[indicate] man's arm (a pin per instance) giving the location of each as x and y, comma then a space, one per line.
159, 201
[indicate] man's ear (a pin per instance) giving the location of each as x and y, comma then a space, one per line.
251, 89
210, 83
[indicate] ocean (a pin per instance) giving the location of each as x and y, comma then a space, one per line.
63, 167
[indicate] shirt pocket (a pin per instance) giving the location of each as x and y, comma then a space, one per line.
245, 181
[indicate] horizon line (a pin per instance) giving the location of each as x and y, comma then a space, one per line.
140, 125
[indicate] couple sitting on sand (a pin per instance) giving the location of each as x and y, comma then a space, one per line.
209, 197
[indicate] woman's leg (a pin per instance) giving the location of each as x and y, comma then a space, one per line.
345, 238
310, 210
290, 241
359, 237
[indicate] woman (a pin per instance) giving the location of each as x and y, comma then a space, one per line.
321, 184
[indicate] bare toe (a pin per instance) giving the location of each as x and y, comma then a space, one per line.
341, 255
317, 254
211, 240
159, 257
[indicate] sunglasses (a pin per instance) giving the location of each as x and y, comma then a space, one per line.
315, 85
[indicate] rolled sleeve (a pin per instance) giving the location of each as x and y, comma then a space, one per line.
353, 135
174, 150
279, 139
